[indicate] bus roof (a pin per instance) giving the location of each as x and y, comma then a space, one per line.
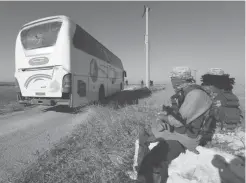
63, 17
114, 59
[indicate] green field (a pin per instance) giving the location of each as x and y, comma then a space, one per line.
7, 94
8, 101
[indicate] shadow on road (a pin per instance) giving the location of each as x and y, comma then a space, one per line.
125, 97
59, 108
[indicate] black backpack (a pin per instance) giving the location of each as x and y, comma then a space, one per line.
230, 114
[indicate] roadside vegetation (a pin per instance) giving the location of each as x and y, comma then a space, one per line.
101, 148
9, 104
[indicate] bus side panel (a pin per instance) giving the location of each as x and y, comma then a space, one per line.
79, 70
98, 76
119, 84
115, 79
84, 65
110, 80
79, 90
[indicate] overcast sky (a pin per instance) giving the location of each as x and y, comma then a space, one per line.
195, 34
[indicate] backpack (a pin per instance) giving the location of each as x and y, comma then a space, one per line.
209, 121
230, 114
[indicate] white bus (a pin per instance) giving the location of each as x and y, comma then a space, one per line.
59, 63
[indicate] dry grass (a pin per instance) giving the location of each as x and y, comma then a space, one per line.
100, 150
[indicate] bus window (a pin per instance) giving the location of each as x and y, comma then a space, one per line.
83, 41
40, 36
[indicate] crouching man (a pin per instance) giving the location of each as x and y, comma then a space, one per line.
184, 125
230, 115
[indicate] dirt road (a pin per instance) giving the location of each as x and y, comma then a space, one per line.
24, 133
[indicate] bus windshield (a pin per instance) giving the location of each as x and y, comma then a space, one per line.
40, 36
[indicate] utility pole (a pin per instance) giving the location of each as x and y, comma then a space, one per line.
195, 73
146, 10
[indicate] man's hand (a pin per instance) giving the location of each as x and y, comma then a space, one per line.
172, 121
160, 125
162, 116
166, 126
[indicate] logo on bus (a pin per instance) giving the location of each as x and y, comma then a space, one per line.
93, 70
38, 61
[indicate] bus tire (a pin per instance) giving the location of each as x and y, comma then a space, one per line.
101, 97
121, 86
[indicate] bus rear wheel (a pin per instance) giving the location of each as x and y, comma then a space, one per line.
121, 86
101, 95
